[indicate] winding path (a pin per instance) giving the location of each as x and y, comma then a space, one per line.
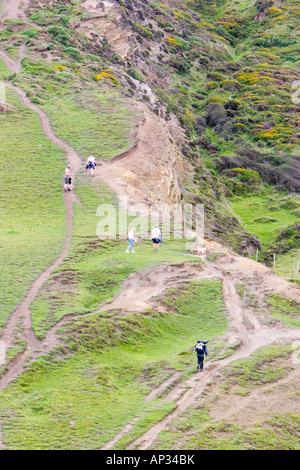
250, 339
23, 310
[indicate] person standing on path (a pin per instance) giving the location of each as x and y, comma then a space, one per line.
201, 350
156, 237
90, 165
131, 240
68, 179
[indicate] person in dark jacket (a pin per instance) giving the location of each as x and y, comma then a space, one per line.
201, 350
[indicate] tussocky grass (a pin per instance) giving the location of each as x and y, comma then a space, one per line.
283, 309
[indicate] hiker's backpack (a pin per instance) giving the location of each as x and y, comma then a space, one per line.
200, 348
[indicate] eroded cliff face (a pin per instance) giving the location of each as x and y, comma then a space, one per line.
105, 22
153, 170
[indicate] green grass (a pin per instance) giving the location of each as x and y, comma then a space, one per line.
197, 429
264, 366
32, 208
82, 401
285, 310
285, 265
99, 123
93, 117
103, 385
280, 431
265, 214
91, 275
95, 268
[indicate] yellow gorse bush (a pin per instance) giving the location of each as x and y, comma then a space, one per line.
60, 67
173, 41
106, 74
274, 10
269, 134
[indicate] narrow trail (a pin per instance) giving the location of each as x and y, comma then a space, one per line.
22, 312
186, 393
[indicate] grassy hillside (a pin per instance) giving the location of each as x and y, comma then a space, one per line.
117, 359
228, 71
31, 181
206, 426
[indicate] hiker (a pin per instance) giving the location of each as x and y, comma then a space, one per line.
91, 165
68, 179
201, 350
131, 240
156, 238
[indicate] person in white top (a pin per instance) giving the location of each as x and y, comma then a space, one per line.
90, 165
68, 179
156, 237
131, 240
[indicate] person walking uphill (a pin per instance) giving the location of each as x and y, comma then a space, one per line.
201, 350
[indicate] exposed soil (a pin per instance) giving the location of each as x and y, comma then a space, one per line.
249, 339
107, 22
153, 169
13, 9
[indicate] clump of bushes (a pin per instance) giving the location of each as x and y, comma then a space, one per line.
242, 174
240, 180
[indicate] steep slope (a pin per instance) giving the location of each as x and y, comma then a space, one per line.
99, 351
69, 48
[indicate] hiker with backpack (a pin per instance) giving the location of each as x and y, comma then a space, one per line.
201, 350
